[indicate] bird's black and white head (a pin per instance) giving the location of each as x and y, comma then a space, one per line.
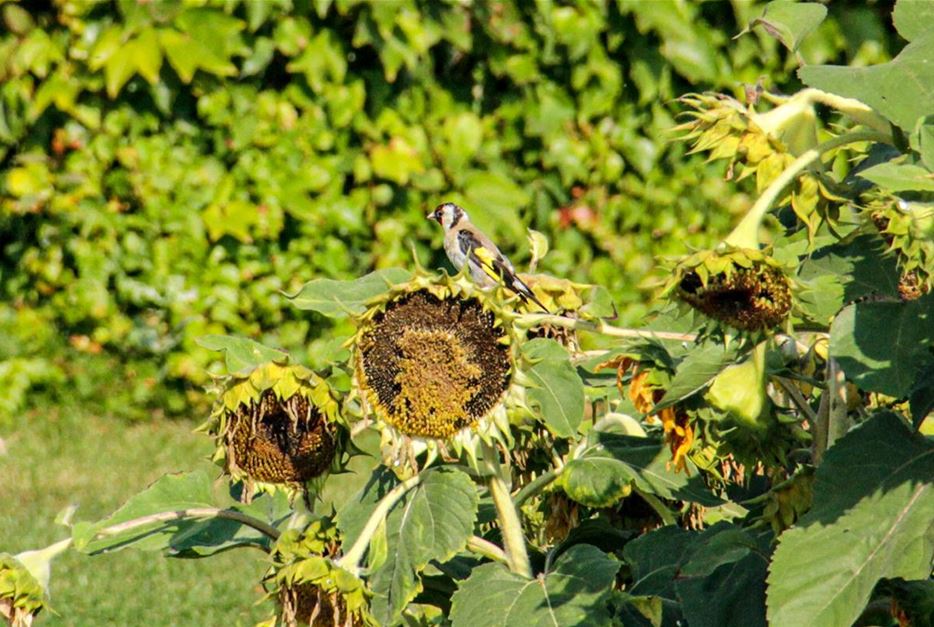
448, 215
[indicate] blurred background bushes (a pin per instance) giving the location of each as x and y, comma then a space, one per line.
169, 169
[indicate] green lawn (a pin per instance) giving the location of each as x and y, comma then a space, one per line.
59, 457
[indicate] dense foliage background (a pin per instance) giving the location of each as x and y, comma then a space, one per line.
169, 169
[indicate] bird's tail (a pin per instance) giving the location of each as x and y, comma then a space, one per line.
526, 293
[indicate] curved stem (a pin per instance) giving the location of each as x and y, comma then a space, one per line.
746, 233
655, 503
485, 548
507, 514
535, 486
195, 512
599, 326
352, 558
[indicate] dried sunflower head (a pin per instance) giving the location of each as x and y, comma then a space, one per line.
740, 287
275, 425
434, 360
309, 587
908, 231
21, 595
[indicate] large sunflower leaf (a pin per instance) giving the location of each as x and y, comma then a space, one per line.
574, 592
557, 391
338, 299
432, 522
902, 90
884, 346
859, 531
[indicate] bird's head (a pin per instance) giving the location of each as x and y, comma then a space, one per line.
447, 214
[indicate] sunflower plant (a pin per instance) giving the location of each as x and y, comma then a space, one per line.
758, 452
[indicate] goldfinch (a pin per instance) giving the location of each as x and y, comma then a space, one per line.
464, 243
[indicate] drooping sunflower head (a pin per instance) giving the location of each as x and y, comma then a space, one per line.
740, 287
434, 358
275, 425
309, 587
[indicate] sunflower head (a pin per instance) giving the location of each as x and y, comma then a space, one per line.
434, 357
309, 587
275, 425
740, 287
908, 231
21, 594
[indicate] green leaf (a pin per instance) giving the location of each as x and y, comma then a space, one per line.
574, 592
858, 531
432, 522
178, 534
696, 370
603, 471
556, 390
721, 582
242, 355
900, 177
913, 18
902, 90
883, 346
845, 272
790, 22
338, 299
654, 559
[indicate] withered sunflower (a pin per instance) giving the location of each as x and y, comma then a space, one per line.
309, 587
275, 425
432, 365
743, 288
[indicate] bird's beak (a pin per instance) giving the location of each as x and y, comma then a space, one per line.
431, 216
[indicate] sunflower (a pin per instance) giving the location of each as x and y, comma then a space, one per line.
309, 587
740, 287
434, 359
275, 425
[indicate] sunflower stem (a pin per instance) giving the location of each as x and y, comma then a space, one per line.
535, 486
507, 513
352, 558
746, 233
599, 326
660, 508
485, 548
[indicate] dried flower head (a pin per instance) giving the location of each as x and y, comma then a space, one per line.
433, 365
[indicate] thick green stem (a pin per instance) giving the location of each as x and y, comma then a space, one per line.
507, 514
195, 512
485, 548
746, 233
535, 486
838, 420
352, 558
599, 326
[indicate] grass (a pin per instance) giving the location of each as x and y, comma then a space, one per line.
59, 457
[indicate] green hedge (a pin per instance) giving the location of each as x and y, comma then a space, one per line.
168, 170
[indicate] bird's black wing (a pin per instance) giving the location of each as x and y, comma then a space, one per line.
492, 262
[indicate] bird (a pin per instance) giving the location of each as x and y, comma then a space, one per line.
465, 243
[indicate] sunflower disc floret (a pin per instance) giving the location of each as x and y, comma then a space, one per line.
742, 288
276, 425
433, 362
